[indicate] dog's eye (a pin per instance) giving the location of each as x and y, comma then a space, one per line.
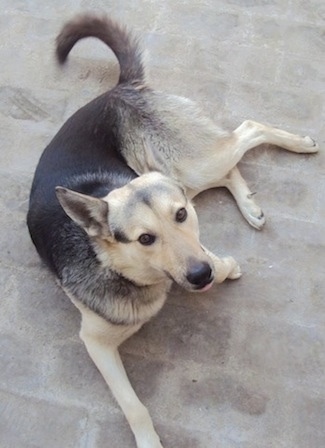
146, 239
181, 215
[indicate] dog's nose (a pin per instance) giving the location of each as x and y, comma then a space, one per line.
200, 274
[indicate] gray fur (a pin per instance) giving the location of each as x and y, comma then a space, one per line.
113, 297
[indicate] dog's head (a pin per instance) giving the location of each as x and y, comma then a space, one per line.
146, 231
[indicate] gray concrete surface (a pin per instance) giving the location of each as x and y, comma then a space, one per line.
241, 366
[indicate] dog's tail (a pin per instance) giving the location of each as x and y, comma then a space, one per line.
125, 46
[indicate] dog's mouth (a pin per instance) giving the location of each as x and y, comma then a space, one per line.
204, 288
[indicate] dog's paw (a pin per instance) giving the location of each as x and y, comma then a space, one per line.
252, 213
307, 145
235, 272
256, 221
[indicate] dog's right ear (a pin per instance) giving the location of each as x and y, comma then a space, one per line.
88, 212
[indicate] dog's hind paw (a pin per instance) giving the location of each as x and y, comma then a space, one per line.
252, 213
307, 145
256, 221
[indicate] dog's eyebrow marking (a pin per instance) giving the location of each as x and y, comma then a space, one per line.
120, 236
145, 196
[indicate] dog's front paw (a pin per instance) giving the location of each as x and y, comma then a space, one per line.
149, 442
235, 271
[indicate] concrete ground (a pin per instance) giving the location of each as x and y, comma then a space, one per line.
241, 366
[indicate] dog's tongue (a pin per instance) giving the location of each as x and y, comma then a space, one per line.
206, 287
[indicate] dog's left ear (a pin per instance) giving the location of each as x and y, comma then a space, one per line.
88, 212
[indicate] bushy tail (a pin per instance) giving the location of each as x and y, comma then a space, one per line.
125, 47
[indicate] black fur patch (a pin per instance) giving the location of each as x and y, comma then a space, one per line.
120, 236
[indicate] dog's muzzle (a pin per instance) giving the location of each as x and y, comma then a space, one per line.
200, 275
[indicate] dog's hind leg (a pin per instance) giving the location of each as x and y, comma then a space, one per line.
247, 136
250, 134
219, 169
212, 164
238, 187
102, 340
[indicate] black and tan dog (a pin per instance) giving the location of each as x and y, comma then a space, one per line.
110, 207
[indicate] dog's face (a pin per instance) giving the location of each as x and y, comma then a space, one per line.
147, 231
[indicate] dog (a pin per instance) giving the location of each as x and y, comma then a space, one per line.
110, 209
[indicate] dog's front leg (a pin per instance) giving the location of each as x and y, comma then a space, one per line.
101, 340
226, 267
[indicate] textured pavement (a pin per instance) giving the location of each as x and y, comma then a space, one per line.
241, 366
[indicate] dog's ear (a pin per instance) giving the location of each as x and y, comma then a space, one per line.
88, 212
